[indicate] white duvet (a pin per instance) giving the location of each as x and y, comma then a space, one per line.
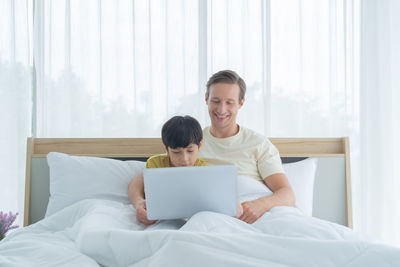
99, 232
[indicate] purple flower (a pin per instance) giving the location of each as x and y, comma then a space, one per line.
6, 221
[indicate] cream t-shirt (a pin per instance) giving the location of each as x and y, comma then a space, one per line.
253, 154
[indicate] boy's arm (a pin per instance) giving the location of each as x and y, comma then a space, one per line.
136, 195
136, 189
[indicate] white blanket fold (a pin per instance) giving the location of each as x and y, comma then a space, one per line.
93, 232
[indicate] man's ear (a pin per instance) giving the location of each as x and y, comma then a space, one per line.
206, 98
241, 103
166, 149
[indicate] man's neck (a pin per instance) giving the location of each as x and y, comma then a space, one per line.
224, 132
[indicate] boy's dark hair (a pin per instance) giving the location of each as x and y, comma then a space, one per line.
181, 131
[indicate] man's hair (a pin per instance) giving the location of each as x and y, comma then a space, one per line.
181, 131
227, 76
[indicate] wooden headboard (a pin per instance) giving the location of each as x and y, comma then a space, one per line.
326, 205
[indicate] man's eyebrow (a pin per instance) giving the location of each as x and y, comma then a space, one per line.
217, 98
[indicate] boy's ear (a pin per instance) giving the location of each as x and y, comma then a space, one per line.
200, 144
166, 149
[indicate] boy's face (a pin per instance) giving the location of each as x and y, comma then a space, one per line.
183, 156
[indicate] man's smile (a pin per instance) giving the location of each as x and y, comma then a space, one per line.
221, 117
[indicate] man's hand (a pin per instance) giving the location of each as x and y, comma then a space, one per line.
141, 213
252, 210
239, 210
282, 196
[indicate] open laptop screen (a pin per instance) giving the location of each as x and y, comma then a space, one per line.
180, 192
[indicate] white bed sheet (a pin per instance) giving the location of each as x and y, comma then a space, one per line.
103, 232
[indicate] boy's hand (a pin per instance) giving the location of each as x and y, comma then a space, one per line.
141, 213
239, 210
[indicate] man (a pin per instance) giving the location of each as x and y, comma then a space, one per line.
253, 154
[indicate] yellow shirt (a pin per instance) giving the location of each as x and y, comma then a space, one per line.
162, 161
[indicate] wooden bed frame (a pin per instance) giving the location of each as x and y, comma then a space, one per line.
325, 204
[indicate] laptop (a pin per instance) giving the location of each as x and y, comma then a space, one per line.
180, 192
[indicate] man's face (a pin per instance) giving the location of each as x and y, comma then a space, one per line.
183, 156
223, 105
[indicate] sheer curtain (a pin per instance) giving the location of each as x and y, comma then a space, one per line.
143, 61
115, 68
314, 57
380, 119
15, 101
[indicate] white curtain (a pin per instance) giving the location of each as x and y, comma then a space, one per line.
143, 61
120, 68
380, 119
115, 68
15, 101
314, 59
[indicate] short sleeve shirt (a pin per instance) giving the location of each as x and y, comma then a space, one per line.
253, 154
162, 161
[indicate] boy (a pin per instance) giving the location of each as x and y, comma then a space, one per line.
182, 138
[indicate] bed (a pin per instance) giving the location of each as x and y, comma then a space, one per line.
77, 212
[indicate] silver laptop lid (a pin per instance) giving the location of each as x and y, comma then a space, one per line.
180, 192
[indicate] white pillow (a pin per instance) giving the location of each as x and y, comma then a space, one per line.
250, 189
74, 178
301, 176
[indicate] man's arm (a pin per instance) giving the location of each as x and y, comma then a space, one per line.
283, 195
136, 195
